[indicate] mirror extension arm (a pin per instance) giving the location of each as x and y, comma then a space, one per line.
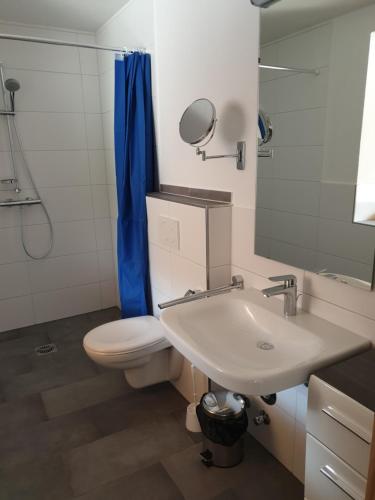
240, 155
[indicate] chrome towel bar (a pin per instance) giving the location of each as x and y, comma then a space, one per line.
237, 284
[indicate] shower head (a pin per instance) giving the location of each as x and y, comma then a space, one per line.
12, 85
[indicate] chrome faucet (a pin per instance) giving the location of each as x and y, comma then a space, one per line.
288, 289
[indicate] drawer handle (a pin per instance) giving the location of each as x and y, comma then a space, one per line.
349, 424
338, 481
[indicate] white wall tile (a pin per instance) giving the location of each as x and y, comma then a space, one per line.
14, 280
106, 266
299, 128
11, 245
94, 131
219, 226
192, 228
64, 204
100, 201
219, 276
52, 131
103, 233
63, 148
155, 209
97, 163
344, 239
298, 162
186, 275
108, 294
56, 168
66, 302
299, 452
38, 57
91, 94
69, 238
63, 272
88, 57
16, 313
278, 437
107, 86
44, 91
161, 269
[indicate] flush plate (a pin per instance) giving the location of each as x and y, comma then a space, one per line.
169, 232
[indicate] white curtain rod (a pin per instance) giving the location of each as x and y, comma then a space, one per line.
51, 41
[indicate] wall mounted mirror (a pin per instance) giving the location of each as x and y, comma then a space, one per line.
198, 122
316, 192
197, 127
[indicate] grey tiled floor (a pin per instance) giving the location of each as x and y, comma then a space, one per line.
72, 430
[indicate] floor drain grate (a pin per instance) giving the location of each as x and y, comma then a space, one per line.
44, 349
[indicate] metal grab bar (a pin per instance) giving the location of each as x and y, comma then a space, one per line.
237, 284
20, 203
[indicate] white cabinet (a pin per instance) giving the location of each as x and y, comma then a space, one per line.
338, 444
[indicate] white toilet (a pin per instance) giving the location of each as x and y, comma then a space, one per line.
137, 346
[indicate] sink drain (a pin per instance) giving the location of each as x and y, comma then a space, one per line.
265, 346
44, 349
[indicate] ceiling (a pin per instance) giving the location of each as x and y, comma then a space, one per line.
83, 15
289, 16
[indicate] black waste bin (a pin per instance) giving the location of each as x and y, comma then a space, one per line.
223, 419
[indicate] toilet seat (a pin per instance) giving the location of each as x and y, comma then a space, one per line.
126, 337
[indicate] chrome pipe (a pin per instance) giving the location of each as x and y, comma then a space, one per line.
290, 69
20, 203
51, 41
237, 284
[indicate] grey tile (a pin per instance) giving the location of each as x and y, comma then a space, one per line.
42, 380
46, 438
136, 407
39, 480
13, 366
84, 393
124, 453
21, 413
22, 345
72, 330
150, 483
226, 495
66, 354
196, 481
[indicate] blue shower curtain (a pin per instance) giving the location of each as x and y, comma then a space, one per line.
135, 168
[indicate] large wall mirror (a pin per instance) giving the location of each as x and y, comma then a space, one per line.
316, 175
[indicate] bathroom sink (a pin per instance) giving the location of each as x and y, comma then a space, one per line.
242, 341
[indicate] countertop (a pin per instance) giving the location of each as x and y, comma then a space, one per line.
354, 377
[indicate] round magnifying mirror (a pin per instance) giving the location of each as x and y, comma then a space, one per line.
198, 122
264, 128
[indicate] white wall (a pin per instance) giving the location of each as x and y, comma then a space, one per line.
58, 114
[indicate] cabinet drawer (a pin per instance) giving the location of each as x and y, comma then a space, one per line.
328, 477
342, 424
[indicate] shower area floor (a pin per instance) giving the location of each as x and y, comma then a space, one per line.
70, 429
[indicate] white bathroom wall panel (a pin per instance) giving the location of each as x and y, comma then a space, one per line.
60, 123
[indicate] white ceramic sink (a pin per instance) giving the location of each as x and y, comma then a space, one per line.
242, 341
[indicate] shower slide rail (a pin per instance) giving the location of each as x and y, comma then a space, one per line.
20, 203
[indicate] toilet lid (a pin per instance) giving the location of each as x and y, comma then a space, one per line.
125, 335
